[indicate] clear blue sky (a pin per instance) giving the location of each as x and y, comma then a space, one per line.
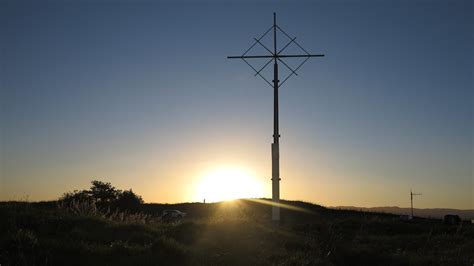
140, 93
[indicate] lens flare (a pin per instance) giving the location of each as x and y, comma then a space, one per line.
228, 183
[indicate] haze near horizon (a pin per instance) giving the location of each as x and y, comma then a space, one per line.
140, 94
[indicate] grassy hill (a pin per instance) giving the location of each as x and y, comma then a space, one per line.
226, 233
438, 213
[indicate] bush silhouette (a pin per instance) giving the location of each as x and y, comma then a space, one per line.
128, 200
76, 196
104, 196
103, 192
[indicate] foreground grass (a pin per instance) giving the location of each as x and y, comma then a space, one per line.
235, 233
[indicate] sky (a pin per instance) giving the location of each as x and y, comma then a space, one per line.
141, 94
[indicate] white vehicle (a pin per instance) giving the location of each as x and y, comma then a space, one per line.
172, 216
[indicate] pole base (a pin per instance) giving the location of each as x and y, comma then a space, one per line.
276, 213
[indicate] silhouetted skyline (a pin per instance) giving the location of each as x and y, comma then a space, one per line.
142, 95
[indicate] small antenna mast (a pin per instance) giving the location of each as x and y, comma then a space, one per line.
411, 199
275, 56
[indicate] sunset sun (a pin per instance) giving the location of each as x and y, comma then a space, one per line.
228, 183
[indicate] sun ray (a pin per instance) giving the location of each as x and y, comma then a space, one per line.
228, 183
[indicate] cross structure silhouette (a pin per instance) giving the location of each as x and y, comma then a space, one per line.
276, 57
411, 200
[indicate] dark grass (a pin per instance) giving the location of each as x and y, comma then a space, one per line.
238, 233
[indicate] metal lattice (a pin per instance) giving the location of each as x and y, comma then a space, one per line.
275, 55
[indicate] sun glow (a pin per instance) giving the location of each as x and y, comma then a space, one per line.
227, 184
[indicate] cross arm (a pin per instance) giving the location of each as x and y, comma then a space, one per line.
250, 56
273, 56
302, 55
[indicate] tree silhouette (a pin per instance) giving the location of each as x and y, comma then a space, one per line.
128, 200
105, 196
103, 192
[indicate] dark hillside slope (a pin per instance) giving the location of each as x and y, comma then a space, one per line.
437, 213
226, 233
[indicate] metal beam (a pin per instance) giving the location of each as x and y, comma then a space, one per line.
274, 56
276, 134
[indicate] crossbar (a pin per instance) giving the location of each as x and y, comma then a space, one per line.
273, 56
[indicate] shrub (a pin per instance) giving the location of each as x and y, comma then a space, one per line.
127, 200
102, 196
103, 192
76, 196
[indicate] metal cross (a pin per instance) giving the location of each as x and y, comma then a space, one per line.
411, 200
275, 56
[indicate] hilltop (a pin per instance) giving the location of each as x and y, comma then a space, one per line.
226, 233
437, 213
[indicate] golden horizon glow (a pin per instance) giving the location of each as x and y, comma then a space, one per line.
228, 183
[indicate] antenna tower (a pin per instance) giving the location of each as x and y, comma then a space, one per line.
411, 199
276, 56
